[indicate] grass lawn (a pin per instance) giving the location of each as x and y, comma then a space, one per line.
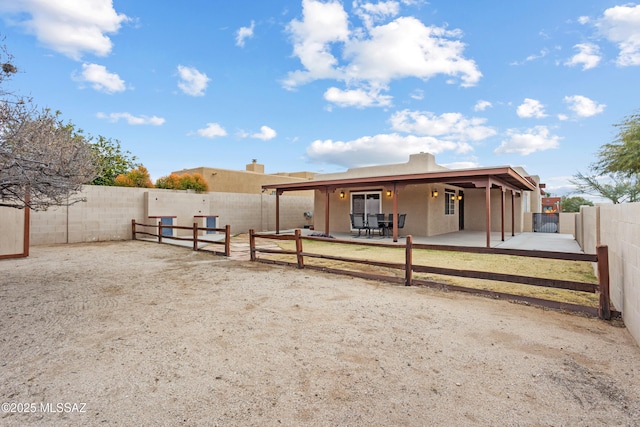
576, 271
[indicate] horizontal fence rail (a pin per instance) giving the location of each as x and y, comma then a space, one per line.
194, 237
601, 258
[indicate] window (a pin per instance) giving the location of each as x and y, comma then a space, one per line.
449, 202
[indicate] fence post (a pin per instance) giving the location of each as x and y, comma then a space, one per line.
409, 261
604, 310
299, 249
160, 231
195, 236
227, 240
252, 245
133, 229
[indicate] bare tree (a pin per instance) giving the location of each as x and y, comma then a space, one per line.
43, 161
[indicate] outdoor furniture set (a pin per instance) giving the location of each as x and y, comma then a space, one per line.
381, 223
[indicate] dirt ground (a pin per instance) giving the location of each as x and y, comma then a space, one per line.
137, 333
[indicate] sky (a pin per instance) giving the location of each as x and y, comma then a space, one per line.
323, 86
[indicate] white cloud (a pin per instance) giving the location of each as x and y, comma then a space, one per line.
244, 33
531, 108
321, 25
588, 56
375, 12
212, 130
378, 149
535, 139
621, 25
131, 119
406, 47
192, 82
482, 105
375, 54
583, 106
584, 20
449, 126
70, 27
100, 79
417, 94
356, 98
266, 133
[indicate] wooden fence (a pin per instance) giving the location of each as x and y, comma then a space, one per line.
195, 238
603, 310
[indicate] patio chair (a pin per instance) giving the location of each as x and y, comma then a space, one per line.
357, 223
372, 224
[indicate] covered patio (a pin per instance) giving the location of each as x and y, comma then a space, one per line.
507, 180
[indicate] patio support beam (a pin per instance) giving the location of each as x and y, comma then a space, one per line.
502, 208
487, 197
395, 212
513, 213
326, 211
278, 193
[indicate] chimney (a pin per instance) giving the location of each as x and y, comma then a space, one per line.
254, 166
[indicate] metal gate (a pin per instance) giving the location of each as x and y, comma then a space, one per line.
546, 222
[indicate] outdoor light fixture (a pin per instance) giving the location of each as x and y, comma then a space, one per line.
342, 194
459, 196
434, 193
388, 193
453, 197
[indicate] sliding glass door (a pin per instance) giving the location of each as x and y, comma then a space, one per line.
365, 203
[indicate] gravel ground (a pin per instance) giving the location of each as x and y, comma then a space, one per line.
136, 333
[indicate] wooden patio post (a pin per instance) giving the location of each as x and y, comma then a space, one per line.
277, 212
502, 207
160, 231
513, 213
395, 212
133, 229
326, 212
487, 198
604, 309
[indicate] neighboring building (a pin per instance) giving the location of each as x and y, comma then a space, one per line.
436, 200
249, 181
551, 204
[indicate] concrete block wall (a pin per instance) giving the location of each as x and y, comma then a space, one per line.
620, 231
105, 215
11, 231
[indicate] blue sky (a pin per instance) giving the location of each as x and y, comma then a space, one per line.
327, 85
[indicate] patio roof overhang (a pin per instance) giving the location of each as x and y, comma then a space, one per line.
503, 177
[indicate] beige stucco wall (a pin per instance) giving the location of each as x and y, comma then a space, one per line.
11, 231
475, 211
249, 181
425, 214
567, 223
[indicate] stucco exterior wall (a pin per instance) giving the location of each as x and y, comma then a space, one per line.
11, 231
249, 182
425, 214
567, 223
475, 211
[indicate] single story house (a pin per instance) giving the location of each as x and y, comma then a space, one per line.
435, 199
